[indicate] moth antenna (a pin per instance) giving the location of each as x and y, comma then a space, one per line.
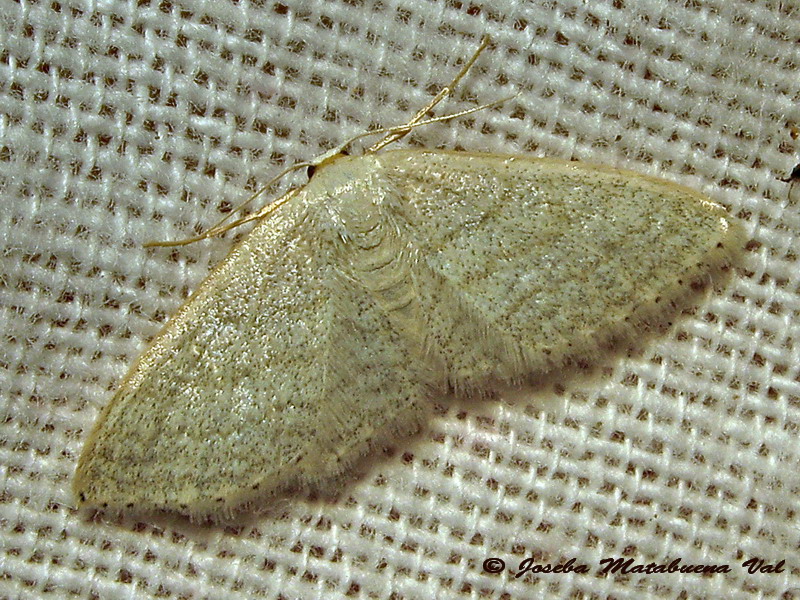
220, 227
448, 117
391, 135
443, 93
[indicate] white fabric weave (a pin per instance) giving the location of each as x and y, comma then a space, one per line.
125, 122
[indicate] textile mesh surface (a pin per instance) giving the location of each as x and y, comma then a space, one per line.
127, 122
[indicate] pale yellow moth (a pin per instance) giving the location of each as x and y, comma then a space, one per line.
390, 277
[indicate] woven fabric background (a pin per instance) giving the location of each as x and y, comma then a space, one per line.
128, 121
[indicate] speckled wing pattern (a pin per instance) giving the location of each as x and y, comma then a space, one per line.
257, 384
557, 258
387, 278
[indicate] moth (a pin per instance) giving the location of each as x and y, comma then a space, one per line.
391, 276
